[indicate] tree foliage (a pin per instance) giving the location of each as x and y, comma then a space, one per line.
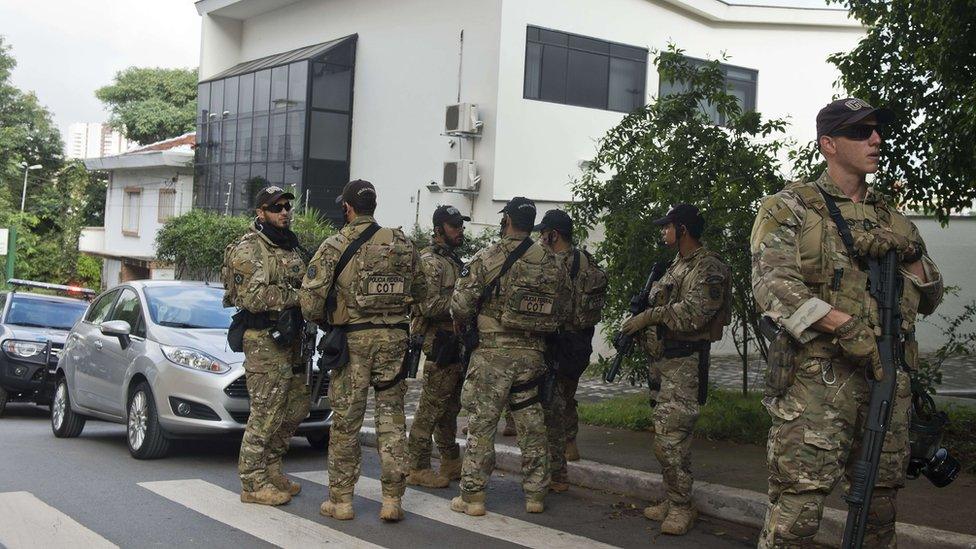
152, 104
919, 59
669, 152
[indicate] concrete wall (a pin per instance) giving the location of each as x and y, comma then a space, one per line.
953, 249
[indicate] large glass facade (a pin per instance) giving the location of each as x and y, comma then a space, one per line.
284, 120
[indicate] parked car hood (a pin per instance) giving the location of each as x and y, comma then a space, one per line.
30, 333
210, 341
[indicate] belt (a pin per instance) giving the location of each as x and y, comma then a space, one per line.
349, 328
677, 349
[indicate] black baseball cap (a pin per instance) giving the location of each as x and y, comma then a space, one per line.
556, 220
682, 214
449, 214
360, 194
849, 110
521, 210
269, 195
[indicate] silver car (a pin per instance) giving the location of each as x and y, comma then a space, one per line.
166, 374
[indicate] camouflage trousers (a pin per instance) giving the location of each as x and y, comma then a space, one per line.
487, 391
674, 421
279, 403
440, 403
814, 439
375, 358
561, 419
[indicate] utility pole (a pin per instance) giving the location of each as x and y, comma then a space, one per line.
23, 194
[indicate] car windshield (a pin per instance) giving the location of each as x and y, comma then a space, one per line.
45, 313
188, 306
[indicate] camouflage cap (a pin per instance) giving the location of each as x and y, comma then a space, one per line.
271, 194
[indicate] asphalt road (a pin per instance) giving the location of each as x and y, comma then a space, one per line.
89, 492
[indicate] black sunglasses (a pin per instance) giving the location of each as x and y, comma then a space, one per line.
276, 208
860, 132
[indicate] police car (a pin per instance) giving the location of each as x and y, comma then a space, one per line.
33, 329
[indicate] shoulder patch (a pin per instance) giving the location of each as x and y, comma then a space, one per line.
312, 271
713, 279
714, 292
238, 278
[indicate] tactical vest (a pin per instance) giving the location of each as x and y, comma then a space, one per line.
589, 290
450, 276
825, 265
380, 276
280, 267
527, 298
665, 292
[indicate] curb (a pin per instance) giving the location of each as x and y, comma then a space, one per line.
715, 500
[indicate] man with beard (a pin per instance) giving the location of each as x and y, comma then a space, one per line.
440, 400
262, 274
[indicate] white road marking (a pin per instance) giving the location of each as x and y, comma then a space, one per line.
267, 523
28, 522
492, 524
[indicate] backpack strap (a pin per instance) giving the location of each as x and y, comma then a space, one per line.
493, 286
575, 269
344, 259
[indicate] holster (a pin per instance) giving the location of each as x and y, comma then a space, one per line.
781, 362
469, 339
679, 349
287, 328
446, 348
333, 349
242, 321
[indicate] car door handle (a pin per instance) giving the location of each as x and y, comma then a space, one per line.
97, 344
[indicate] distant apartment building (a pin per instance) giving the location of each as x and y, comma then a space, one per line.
94, 140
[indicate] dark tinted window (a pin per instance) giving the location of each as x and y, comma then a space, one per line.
129, 309
245, 96
44, 313
295, 137
740, 82
228, 143
330, 136
297, 85
331, 86
100, 308
262, 91
577, 70
244, 140
279, 88
203, 101
216, 100
276, 143
259, 138
230, 96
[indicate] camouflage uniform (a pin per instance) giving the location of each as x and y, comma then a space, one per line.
375, 353
575, 345
692, 302
503, 358
440, 399
801, 270
267, 278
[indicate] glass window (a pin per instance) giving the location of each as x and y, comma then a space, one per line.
295, 138
38, 312
131, 206
226, 198
329, 139
200, 174
331, 87
740, 82
213, 188
230, 96
588, 72
228, 143
167, 204
297, 85
188, 307
203, 101
262, 91
324, 182
245, 97
129, 309
213, 144
276, 147
276, 173
244, 140
293, 176
259, 138
279, 88
100, 308
258, 171
241, 200
216, 100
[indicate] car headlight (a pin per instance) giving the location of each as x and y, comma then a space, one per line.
24, 349
193, 359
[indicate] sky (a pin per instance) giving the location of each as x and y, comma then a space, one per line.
66, 49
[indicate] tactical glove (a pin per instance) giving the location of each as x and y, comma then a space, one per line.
878, 241
642, 320
857, 344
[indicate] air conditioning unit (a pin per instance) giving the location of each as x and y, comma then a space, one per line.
462, 119
461, 175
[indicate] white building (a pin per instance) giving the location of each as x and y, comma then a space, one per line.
94, 140
146, 187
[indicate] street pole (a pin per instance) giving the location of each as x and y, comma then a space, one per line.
23, 194
11, 253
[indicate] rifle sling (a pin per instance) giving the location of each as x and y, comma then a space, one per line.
842, 227
344, 259
492, 286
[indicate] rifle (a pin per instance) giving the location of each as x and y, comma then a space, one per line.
885, 285
411, 360
624, 344
309, 334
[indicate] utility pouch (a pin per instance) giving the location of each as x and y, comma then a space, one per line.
235, 333
780, 358
289, 325
445, 349
333, 350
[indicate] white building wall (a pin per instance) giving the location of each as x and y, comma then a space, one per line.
111, 272
150, 181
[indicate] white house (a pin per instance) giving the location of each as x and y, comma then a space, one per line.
146, 187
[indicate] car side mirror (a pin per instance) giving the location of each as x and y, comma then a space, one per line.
119, 329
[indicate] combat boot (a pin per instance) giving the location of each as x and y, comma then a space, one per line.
658, 511
559, 485
572, 452
427, 478
391, 510
534, 505
680, 519
265, 495
282, 482
451, 469
472, 504
339, 510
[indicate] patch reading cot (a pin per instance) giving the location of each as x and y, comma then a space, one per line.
385, 285
536, 304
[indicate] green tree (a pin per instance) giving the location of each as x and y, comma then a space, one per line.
918, 58
669, 152
152, 104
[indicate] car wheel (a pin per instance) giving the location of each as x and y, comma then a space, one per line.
4, 395
64, 422
318, 441
143, 434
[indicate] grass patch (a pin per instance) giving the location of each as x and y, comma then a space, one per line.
730, 416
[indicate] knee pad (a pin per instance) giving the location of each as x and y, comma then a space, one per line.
806, 522
883, 508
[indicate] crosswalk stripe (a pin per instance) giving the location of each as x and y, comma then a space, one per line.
267, 523
26, 521
492, 524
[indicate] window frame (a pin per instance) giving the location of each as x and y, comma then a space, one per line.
140, 321
698, 62
568, 46
126, 191
112, 296
160, 216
